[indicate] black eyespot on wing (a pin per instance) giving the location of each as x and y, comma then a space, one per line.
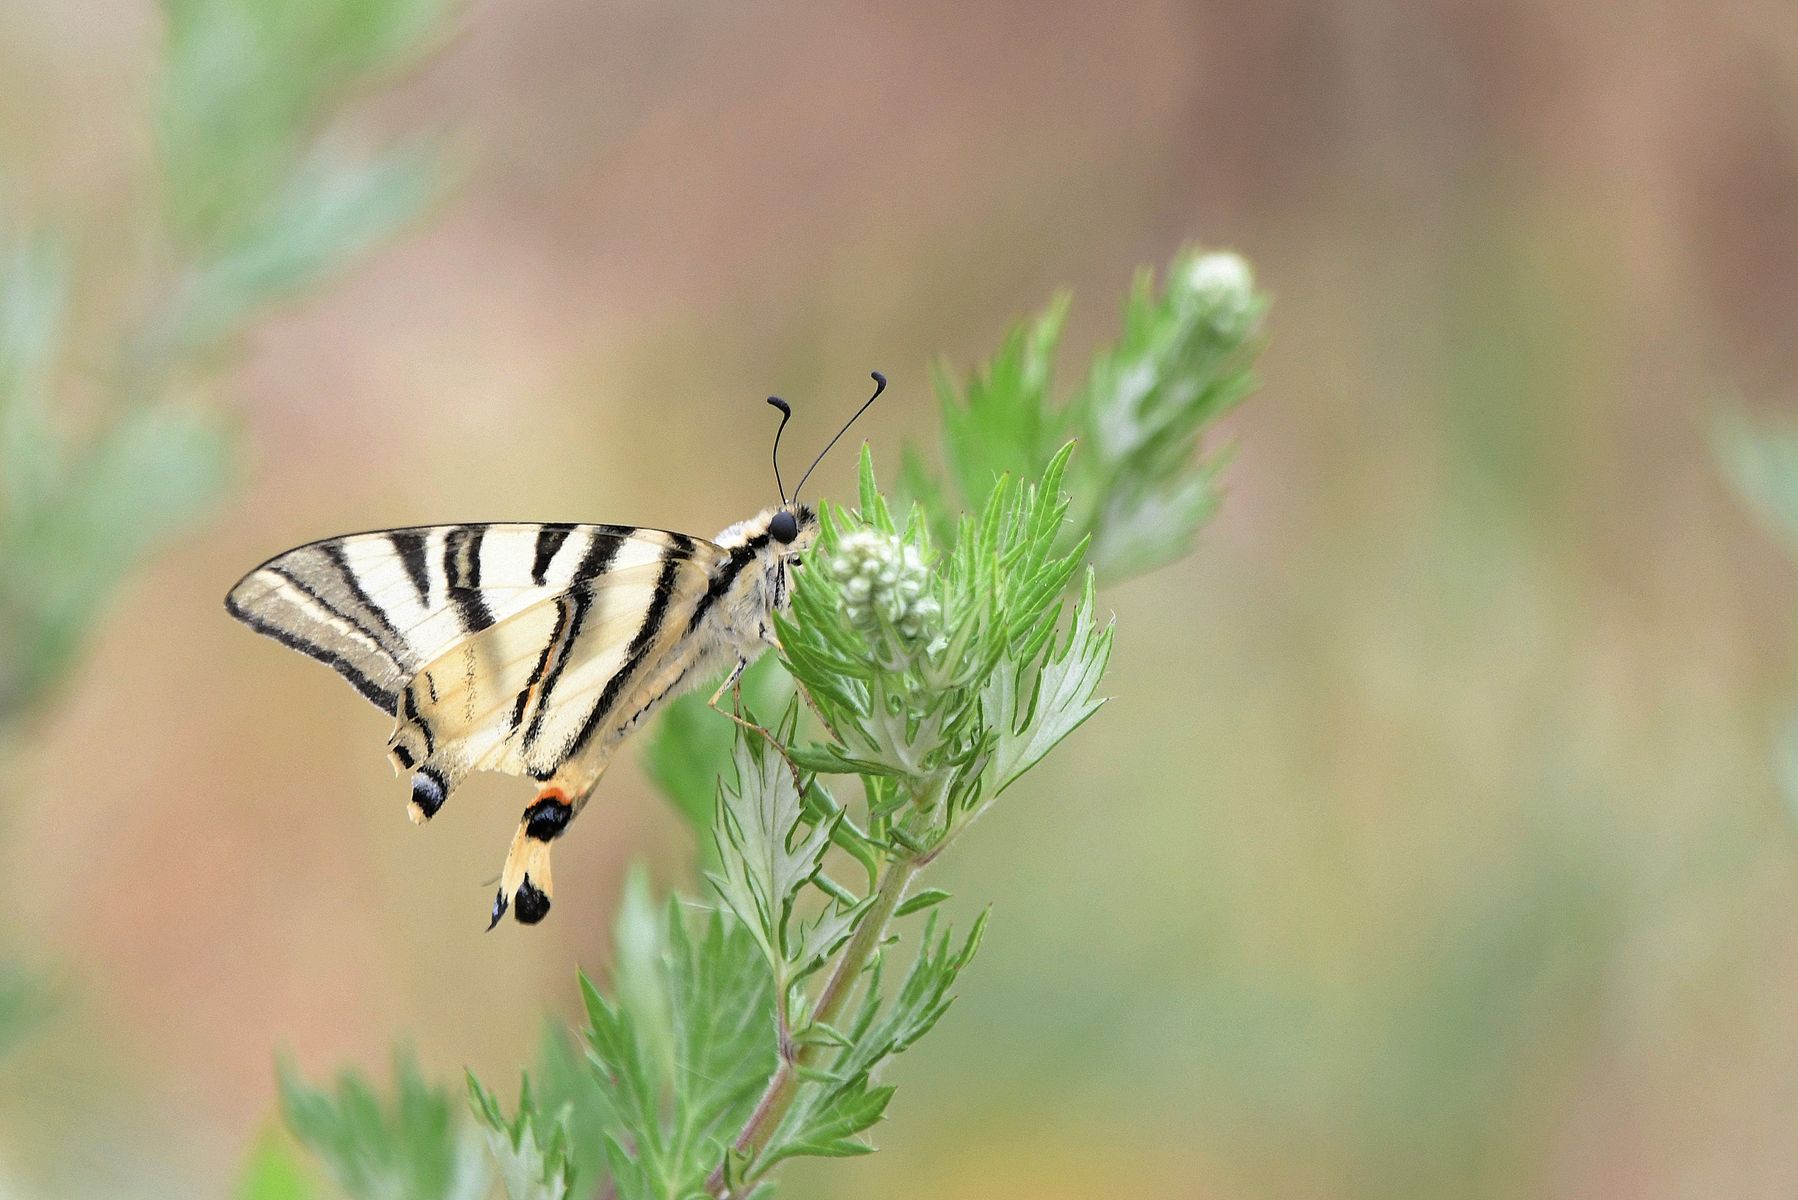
428, 792
533, 904
547, 818
783, 527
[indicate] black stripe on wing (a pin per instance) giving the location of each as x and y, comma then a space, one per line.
387, 633
549, 540
653, 617
593, 564
409, 544
564, 613
462, 574
381, 697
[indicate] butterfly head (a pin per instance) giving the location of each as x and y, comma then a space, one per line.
781, 533
763, 552
792, 528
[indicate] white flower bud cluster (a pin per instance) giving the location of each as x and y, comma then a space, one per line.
1223, 285
885, 586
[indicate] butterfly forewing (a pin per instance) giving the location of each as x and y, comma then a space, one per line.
377, 607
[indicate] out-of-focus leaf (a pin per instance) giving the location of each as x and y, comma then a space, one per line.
672, 1106
1004, 421
328, 213
639, 970
1185, 359
275, 1172
149, 473
1142, 482
259, 205
531, 1149
410, 1147
25, 1000
1786, 762
245, 84
1762, 463
565, 1082
33, 297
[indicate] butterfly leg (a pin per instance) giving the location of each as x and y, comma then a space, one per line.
734, 684
768, 636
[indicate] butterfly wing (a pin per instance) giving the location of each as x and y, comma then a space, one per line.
526, 649
496, 647
525, 694
377, 607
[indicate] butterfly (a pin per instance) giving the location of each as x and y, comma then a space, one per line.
533, 649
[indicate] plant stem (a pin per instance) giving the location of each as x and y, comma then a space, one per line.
784, 1087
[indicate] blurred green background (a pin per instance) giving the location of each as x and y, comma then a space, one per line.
1432, 845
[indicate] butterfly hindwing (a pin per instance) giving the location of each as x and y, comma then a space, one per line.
525, 693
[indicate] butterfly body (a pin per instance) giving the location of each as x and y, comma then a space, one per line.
526, 649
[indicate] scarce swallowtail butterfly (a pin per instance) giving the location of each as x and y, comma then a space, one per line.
532, 649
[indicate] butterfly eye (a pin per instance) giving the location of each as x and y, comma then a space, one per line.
784, 527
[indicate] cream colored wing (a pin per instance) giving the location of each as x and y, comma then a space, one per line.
528, 692
377, 607
524, 649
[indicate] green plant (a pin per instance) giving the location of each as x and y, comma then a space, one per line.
1762, 463
110, 438
260, 199
939, 658
411, 1148
1142, 485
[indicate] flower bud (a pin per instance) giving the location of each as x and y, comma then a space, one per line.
1222, 287
885, 586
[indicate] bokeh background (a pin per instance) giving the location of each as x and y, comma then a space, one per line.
1432, 845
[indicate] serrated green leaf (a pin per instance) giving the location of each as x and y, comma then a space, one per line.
411, 1146
690, 746
531, 1150
1033, 709
766, 851
681, 1043
921, 901
827, 1132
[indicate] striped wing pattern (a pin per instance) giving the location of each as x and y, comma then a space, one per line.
527, 649
534, 690
496, 647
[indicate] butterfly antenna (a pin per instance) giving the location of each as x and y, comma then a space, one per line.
880, 385
786, 414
